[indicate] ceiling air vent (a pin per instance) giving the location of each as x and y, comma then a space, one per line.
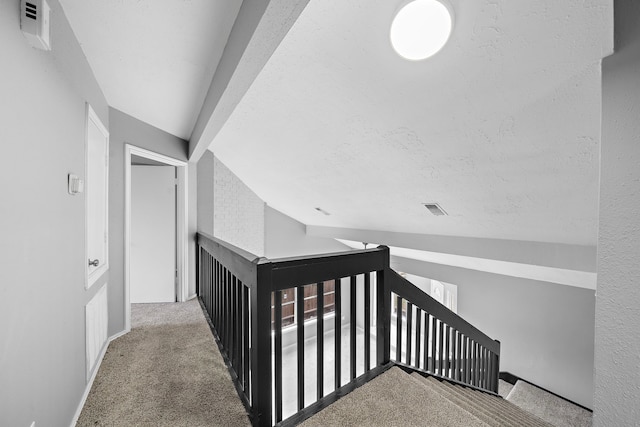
435, 209
34, 22
323, 211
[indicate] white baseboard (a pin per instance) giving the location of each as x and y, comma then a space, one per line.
119, 334
93, 377
190, 297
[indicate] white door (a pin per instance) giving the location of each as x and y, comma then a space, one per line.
153, 234
96, 188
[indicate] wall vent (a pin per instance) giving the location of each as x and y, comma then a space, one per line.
31, 11
34, 22
435, 209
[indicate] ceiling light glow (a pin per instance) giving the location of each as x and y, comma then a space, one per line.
420, 29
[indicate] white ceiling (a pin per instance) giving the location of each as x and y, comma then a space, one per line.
501, 128
154, 59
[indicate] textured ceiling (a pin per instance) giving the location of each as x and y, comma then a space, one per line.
154, 59
501, 128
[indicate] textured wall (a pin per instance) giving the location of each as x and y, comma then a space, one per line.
42, 279
205, 193
286, 237
238, 213
617, 358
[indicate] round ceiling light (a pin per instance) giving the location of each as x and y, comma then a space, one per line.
420, 29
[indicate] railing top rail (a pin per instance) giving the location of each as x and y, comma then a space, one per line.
320, 258
204, 237
241, 263
408, 291
289, 272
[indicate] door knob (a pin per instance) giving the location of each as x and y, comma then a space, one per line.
94, 263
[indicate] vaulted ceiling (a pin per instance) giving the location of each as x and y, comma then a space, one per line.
501, 127
154, 60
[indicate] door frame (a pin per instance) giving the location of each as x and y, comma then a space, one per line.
182, 203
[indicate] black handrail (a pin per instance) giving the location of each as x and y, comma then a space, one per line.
240, 262
288, 272
243, 296
461, 353
227, 281
405, 289
300, 273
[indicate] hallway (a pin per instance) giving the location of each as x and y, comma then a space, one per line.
166, 372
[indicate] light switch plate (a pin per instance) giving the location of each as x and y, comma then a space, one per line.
76, 185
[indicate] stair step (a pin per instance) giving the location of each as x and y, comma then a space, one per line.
379, 402
478, 400
548, 407
397, 398
491, 405
489, 409
501, 406
504, 388
462, 401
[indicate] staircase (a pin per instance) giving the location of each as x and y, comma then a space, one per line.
398, 398
384, 375
549, 407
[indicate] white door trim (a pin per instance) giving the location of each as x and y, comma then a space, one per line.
182, 235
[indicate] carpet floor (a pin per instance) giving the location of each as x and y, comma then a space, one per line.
393, 399
548, 407
166, 372
396, 398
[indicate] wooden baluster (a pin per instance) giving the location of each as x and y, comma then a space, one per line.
338, 333
418, 334
300, 332
277, 306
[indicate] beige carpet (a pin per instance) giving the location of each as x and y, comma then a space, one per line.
393, 399
548, 407
166, 372
504, 388
396, 398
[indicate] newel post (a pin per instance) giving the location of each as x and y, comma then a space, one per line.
383, 310
496, 368
261, 344
198, 264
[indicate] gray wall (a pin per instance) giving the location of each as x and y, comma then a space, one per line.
129, 130
546, 330
205, 193
617, 373
192, 170
42, 294
572, 257
227, 209
285, 237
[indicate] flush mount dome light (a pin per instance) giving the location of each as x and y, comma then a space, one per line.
420, 29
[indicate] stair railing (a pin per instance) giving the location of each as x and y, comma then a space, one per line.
434, 339
227, 284
260, 310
